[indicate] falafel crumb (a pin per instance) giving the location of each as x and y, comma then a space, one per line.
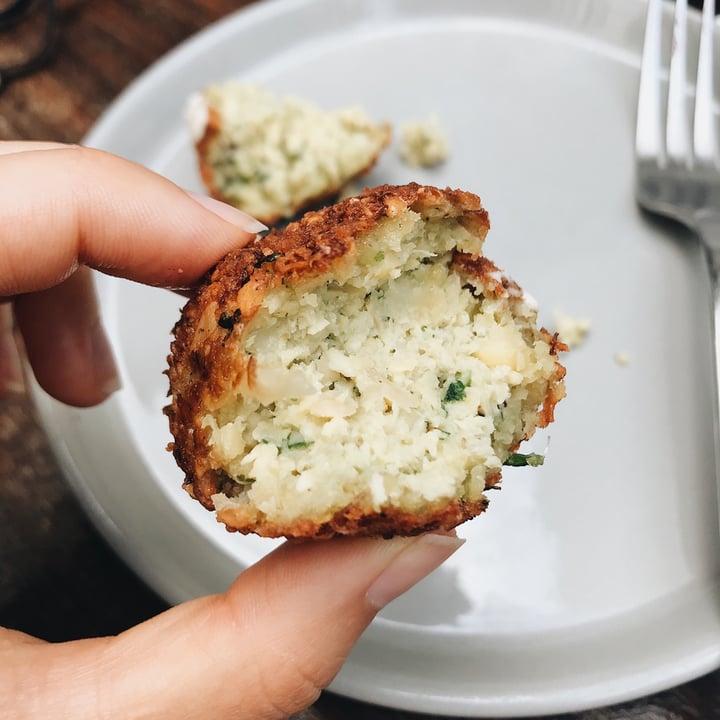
622, 359
424, 143
571, 330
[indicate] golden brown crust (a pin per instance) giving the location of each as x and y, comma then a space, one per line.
556, 389
202, 147
212, 130
359, 521
207, 362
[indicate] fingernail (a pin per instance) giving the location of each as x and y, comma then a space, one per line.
11, 374
105, 368
414, 563
229, 213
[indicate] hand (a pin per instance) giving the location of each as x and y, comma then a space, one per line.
264, 648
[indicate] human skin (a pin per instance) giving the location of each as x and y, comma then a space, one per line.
268, 645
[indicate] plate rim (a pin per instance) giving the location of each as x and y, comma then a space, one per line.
704, 661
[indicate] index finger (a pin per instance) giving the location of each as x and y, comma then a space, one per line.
66, 206
7, 147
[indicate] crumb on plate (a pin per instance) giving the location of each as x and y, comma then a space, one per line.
572, 331
622, 359
423, 143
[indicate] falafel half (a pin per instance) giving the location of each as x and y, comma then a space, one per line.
275, 157
365, 371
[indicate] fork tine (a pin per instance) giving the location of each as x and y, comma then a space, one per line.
705, 138
648, 139
678, 128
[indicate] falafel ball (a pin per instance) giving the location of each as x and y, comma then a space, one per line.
365, 371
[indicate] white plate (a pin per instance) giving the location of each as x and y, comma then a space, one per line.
591, 580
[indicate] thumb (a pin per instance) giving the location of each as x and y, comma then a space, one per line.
264, 649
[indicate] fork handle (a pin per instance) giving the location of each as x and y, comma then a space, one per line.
708, 229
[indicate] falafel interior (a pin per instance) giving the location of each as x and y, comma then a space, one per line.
273, 157
377, 372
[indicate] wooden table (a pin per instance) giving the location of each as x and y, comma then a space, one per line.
58, 578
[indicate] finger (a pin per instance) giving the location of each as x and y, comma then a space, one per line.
65, 342
12, 640
7, 147
73, 206
11, 376
261, 651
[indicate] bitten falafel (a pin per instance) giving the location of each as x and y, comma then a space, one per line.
365, 371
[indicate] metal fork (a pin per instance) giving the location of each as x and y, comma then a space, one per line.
678, 170
677, 163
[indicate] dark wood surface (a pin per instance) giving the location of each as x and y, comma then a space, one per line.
58, 578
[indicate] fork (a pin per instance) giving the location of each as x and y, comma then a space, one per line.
677, 168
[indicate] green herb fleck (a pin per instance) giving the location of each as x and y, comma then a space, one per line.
295, 441
455, 391
233, 486
473, 291
272, 257
299, 444
522, 459
379, 256
429, 426
227, 321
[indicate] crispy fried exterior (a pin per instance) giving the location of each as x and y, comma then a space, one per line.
202, 147
212, 130
204, 369
358, 521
